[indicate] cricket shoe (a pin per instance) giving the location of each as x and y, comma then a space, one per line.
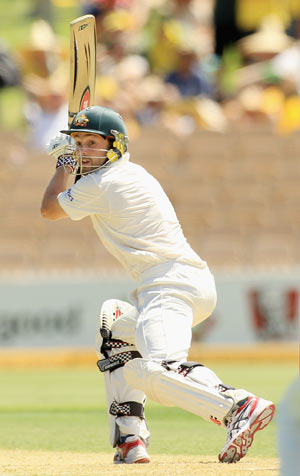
133, 450
246, 418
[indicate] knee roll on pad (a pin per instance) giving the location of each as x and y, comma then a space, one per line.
117, 322
111, 310
116, 351
190, 386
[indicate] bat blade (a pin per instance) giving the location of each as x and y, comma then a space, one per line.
83, 42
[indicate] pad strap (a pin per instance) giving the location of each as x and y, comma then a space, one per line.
116, 361
183, 369
223, 388
127, 409
108, 343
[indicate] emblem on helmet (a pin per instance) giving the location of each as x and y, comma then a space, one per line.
81, 121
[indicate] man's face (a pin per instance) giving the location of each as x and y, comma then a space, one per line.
92, 148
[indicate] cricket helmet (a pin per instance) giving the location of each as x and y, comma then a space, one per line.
97, 120
104, 122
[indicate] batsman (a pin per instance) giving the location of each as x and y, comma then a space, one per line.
143, 344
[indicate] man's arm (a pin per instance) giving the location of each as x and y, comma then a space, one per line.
50, 207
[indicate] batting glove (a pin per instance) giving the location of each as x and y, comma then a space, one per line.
68, 162
60, 145
120, 146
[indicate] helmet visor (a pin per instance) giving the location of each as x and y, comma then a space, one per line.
78, 162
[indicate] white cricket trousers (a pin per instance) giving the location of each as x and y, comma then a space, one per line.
170, 299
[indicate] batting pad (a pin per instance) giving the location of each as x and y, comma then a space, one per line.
119, 317
197, 392
117, 389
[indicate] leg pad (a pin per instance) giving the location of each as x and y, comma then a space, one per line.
194, 388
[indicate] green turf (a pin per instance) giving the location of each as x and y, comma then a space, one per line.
64, 409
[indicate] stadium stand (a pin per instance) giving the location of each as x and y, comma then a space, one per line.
236, 195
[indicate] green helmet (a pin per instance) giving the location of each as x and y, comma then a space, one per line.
97, 120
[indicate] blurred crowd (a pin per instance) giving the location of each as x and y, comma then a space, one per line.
183, 64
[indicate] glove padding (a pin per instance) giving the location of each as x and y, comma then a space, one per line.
60, 145
119, 146
68, 162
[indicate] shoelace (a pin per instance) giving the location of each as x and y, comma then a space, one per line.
238, 423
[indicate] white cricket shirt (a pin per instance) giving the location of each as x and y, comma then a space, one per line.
132, 216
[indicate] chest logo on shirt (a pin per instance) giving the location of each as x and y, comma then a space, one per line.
69, 195
81, 121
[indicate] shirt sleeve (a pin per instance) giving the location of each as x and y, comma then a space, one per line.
83, 199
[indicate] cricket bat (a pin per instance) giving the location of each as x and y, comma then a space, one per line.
83, 42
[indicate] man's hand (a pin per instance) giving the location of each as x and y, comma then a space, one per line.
119, 146
62, 147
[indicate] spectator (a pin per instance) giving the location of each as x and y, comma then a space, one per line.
46, 109
167, 26
9, 71
267, 87
235, 19
226, 28
42, 9
153, 96
114, 15
249, 15
267, 42
43, 52
43, 63
187, 75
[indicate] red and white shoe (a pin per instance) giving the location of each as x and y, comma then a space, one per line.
133, 450
247, 417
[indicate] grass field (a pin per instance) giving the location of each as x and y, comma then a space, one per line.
53, 421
